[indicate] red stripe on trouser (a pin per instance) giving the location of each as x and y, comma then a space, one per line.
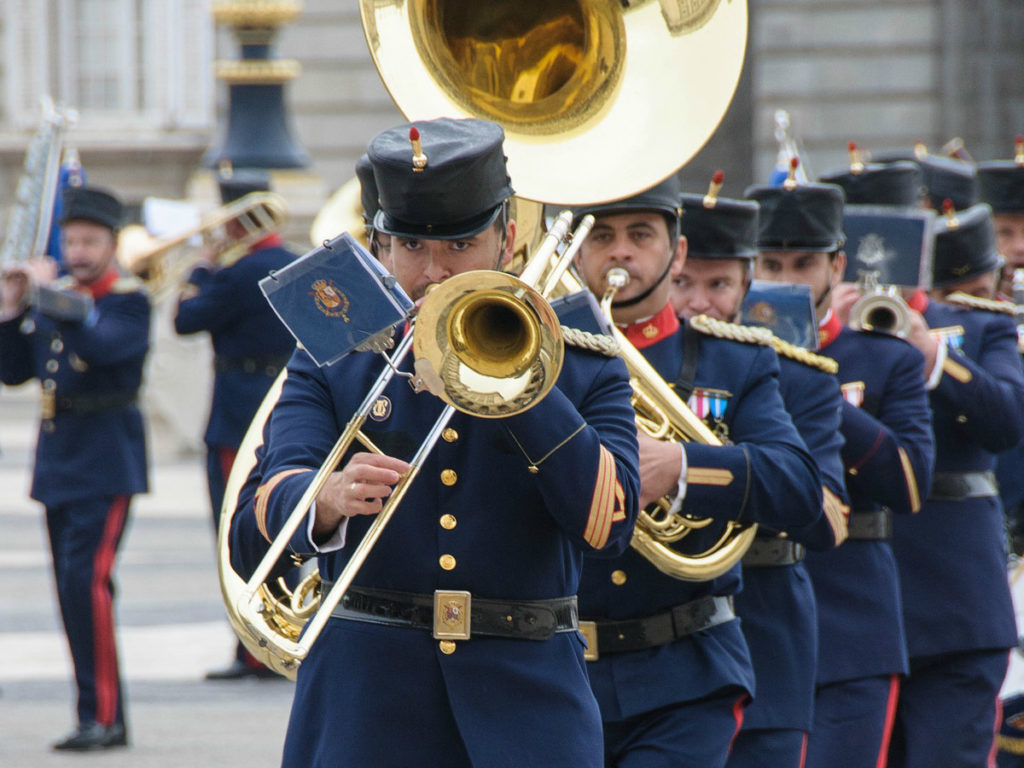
226, 456
803, 751
104, 646
737, 713
890, 719
997, 725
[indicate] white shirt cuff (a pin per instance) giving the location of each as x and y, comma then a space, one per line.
677, 502
333, 544
936, 373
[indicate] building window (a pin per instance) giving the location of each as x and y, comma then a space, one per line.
129, 64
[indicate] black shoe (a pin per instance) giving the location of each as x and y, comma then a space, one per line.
92, 736
238, 670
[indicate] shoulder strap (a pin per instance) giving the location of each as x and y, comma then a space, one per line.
688, 370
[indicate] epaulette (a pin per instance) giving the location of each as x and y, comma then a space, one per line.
748, 334
128, 284
601, 343
805, 356
967, 301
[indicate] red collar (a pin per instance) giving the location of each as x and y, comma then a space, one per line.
829, 330
652, 330
273, 240
918, 301
101, 286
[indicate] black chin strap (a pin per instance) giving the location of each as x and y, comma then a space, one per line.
637, 299
824, 295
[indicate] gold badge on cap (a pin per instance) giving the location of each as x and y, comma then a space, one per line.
329, 299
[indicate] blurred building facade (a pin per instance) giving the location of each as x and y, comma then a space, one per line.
140, 73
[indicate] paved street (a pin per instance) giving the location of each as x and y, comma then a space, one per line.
171, 628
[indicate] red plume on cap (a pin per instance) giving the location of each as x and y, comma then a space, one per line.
790, 182
711, 198
856, 160
419, 160
1018, 150
949, 210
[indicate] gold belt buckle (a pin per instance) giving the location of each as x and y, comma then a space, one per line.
452, 611
589, 631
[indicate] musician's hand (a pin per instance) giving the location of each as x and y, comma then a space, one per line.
358, 489
844, 296
13, 290
924, 340
660, 465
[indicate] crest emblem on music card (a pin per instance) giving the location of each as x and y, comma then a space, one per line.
330, 299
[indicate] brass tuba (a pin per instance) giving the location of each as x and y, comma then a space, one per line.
598, 99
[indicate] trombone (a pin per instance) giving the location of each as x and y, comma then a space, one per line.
152, 259
477, 329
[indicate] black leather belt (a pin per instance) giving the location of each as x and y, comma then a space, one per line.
955, 486
87, 405
871, 526
270, 366
457, 615
660, 629
766, 553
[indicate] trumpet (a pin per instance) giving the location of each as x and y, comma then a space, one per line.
155, 261
488, 344
880, 308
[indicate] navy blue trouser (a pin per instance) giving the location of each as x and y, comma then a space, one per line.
84, 537
853, 723
949, 711
694, 734
769, 748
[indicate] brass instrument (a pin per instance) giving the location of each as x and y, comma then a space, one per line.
880, 308
159, 264
488, 344
29, 225
343, 212
661, 414
578, 85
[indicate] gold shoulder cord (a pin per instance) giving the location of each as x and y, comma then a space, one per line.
731, 331
961, 299
805, 356
595, 342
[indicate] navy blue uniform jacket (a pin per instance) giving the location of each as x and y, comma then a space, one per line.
88, 455
518, 536
777, 604
887, 459
246, 334
771, 480
952, 557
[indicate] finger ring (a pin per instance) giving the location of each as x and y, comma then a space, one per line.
352, 487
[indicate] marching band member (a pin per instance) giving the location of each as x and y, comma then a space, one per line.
1001, 185
250, 347
91, 453
952, 558
503, 509
673, 671
887, 459
776, 604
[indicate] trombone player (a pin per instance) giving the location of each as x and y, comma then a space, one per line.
503, 510
673, 671
250, 348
